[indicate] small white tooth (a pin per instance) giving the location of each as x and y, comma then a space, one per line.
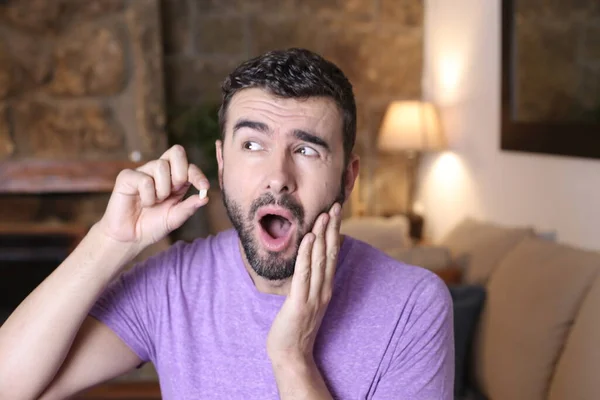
202, 193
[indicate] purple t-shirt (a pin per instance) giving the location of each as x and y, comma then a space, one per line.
194, 312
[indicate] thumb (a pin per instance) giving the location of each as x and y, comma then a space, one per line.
182, 211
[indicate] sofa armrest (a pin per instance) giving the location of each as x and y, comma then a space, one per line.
436, 259
433, 258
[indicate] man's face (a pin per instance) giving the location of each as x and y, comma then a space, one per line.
281, 164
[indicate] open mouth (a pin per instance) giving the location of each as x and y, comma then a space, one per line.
275, 229
275, 225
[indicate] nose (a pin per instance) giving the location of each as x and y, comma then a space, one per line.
281, 177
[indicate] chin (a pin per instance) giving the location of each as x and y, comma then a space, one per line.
272, 265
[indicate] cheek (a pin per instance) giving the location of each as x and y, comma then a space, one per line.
235, 178
321, 187
317, 200
239, 185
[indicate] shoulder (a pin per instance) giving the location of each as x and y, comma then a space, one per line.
391, 279
180, 258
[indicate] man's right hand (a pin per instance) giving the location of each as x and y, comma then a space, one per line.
146, 203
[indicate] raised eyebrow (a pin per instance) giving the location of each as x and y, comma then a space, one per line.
311, 138
254, 125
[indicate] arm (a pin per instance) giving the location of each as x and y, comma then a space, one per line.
44, 331
300, 379
97, 355
291, 340
36, 338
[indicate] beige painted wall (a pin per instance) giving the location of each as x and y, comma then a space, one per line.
462, 74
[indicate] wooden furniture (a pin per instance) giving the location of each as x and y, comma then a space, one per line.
122, 391
28, 254
451, 275
55, 176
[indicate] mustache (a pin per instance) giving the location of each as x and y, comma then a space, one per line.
285, 201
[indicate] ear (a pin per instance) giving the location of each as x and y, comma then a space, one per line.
352, 170
219, 148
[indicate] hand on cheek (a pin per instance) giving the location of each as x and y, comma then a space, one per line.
295, 328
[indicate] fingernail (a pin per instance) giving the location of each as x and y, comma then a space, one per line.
325, 219
202, 193
337, 208
203, 183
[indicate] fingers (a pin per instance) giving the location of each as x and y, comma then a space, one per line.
324, 254
182, 172
172, 174
132, 183
302, 271
197, 178
318, 258
183, 211
332, 240
159, 171
177, 159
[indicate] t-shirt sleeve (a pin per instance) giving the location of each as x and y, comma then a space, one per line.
422, 365
130, 304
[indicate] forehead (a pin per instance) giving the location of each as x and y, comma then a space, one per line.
320, 114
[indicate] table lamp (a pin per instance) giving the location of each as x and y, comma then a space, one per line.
411, 127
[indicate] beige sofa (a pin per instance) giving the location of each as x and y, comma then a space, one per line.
538, 336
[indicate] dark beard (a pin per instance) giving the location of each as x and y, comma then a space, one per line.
273, 266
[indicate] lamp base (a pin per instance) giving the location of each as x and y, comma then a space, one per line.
416, 226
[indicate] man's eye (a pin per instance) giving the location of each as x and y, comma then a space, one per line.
307, 151
252, 146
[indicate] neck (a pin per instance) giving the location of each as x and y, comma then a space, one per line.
280, 287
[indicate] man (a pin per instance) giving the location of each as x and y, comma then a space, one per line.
281, 306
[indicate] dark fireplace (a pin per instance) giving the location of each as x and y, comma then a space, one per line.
37, 233
28, 254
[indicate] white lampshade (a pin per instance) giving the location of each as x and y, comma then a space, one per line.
411, 125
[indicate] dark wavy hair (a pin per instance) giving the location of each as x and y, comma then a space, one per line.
295, 73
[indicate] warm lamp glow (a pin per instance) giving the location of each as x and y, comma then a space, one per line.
450, 74
411, 125
448, 167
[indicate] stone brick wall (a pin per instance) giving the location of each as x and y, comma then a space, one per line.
79, 80
378, 44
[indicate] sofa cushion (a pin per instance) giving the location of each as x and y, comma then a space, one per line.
576, 375
480, 246
380, 232
430, 257
532, 300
